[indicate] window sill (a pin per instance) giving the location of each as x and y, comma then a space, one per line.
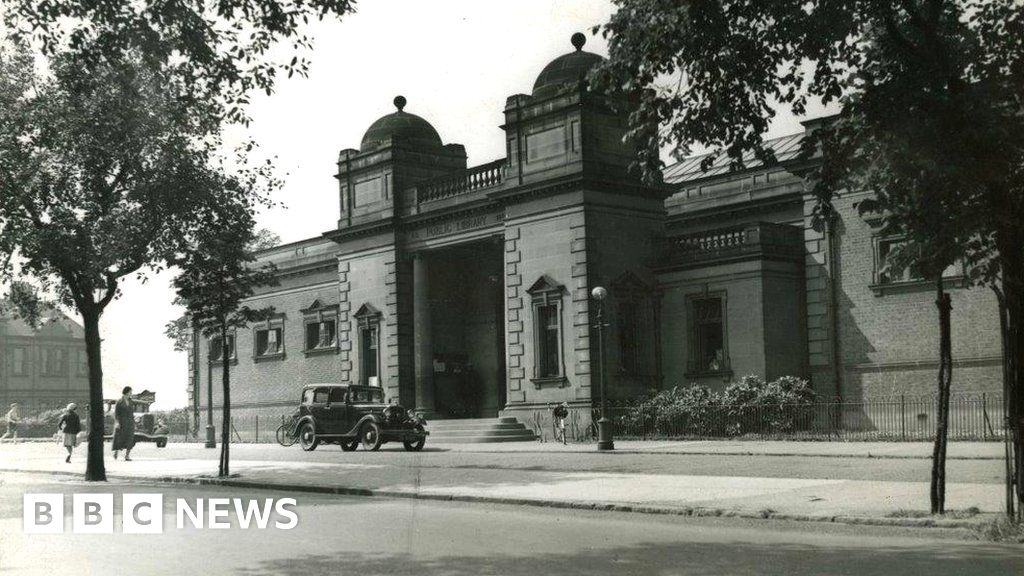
320, 351
725, 374
268, 357
550, 382
916, 285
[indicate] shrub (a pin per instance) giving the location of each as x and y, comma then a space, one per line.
748, 406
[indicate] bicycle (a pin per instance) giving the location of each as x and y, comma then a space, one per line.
287, 433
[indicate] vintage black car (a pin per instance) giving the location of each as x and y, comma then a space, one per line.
350, 415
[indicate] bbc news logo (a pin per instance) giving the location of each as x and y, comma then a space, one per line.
144, 513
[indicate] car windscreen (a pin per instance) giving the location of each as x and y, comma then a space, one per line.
368, 395
307, 396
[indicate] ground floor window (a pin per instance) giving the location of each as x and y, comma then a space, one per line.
220, 350
368, 318
707, 335
547, 322
269, 339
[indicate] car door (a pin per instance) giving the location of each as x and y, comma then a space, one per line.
318, 408
338, 410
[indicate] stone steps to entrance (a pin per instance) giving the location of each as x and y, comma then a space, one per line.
479, 431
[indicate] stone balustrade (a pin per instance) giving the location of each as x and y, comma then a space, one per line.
764, 238
472, 179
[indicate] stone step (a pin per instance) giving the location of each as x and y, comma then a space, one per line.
464, 433
479, 430
478, 426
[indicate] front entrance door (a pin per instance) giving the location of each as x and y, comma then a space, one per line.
466, 291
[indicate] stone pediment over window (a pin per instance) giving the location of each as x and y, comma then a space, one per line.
367, 312
545, 285
319, 305
629, 283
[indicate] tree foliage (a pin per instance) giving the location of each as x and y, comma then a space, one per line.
931, 121
225, 49
103, 176
216, 276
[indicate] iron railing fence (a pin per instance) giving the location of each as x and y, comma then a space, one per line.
899, 418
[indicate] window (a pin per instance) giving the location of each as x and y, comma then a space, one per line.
886, 270
321, 334
707, 336
545, 144
368, 338
629, 336
83, 363
269, 339
307, 396
368, 318
54, 362
338, 395
321, 396
217, 350
321, 329
375, 396
19, 363
548, 339
547, 321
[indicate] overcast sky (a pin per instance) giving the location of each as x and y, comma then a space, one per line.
455, 62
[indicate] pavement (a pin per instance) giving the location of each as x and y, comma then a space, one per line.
867, 483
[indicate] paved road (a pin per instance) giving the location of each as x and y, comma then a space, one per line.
806, 467
368, 536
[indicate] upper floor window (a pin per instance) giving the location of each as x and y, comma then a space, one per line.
547, 321
221, 350
54, 362
269, 338
708, 352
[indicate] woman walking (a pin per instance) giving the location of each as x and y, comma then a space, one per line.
13, 417
70, 425
124, 424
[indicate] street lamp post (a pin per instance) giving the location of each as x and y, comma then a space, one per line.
604, 425
211, 432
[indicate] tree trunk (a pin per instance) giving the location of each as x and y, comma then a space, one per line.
95, 470
1007, 394
938, 485
225, 435
1015, 398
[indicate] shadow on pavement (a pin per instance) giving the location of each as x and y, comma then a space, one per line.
734, 558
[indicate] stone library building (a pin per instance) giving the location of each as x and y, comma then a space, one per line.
465, 291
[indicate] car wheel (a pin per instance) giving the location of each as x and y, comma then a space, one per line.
417, 444
371, 436
307, 437
349, 446
161, 443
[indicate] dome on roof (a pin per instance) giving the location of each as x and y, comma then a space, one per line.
400, 125
566, 69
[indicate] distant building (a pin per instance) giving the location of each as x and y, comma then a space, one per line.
43, 368
465, 292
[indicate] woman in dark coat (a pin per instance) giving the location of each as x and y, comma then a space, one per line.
124, 424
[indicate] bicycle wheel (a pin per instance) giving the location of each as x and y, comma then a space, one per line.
286, 434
